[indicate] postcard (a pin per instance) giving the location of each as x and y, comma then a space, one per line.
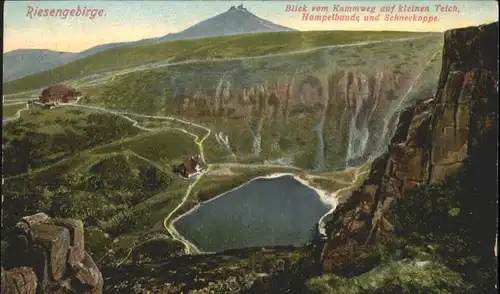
249, 147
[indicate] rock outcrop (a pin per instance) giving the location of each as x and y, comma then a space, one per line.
47, 255
433, 139
354, 109
349, 109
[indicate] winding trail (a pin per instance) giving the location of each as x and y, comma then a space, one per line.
168, 63
167, 224
191, 248
199, 142
100, 79
15, 103
308, 50
126, 115
188, 247
17, 115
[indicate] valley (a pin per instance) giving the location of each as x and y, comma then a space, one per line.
165, 115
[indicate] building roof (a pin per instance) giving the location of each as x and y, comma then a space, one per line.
58, 90
190, 164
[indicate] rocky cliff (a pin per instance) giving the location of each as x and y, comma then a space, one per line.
454, 131
351, 101
48, 256
320, 109
347, 112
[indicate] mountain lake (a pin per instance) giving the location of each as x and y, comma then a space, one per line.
262, 212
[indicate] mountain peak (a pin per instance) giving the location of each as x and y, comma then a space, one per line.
240, 8
236, 20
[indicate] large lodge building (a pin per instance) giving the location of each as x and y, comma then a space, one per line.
59, 94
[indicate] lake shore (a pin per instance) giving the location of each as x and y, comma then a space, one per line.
328, 198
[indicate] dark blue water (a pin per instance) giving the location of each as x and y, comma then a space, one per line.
264, 212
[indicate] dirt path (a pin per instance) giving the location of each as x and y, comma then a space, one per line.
242, 58
167, 223
166, 63
17, 115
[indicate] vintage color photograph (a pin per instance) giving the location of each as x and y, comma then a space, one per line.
253, 147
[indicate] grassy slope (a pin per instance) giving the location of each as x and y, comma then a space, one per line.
11, 110
220, 47
212, 149
397, 277
163, 147
43, 137
122, 188
119, 185
215, 273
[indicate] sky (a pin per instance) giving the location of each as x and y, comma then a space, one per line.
134, 20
